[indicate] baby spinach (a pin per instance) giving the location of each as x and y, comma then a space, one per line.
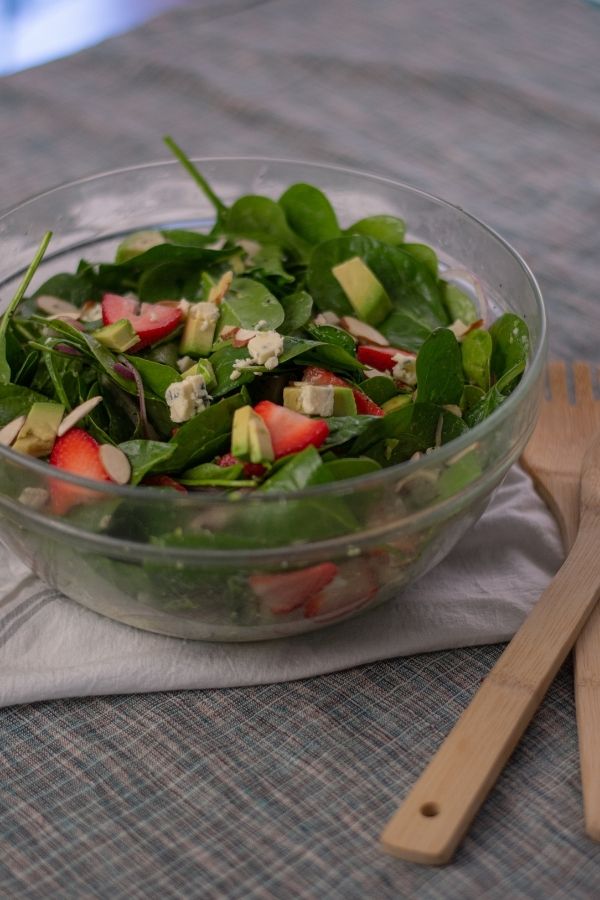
476, 350
296, 473
510, 343
262, 219
439, 369
340, 469
423, 254
297, 308
331, 334
388, 229
309, 214
16, 401
155, 376
145, 456
5, 372
247, 303
459, 305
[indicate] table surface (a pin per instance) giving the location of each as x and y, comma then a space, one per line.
280, 791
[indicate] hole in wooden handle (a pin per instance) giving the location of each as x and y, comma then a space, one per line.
430, 810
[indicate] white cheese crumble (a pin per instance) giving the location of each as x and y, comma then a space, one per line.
184, 306
184, 363
316, 400
186, 398
405, 369
205, 314
265, 348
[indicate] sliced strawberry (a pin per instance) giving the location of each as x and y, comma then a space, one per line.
290, 431
283, 592
150, 321
315, 375
364, 405
250, 470
76, 452
354, 586
381, 358
164, 481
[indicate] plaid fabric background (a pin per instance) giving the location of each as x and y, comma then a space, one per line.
281, 791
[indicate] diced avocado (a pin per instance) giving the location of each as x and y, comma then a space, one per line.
344, 403
137, 243
261, 446
37, 436
199, 329
395, 403
366, 294
120, 336
202, 367
250, 438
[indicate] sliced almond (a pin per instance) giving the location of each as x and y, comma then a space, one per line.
328, 317
54, 306
91, 311
228, 332
115, 463
364, 334
243, 336
459, 329
78, 413
216, 293
10, 431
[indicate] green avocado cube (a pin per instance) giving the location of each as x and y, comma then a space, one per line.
120, 336
37, 436
367, 295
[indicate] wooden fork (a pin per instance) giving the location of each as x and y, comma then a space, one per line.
440, 807
553, 458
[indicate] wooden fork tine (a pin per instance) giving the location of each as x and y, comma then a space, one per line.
584, 388
557, 379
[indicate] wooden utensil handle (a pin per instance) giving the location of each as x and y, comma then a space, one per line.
587, 704
437, 812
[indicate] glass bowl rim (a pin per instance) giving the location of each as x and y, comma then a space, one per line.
148, 493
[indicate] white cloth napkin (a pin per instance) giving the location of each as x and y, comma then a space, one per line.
50, 647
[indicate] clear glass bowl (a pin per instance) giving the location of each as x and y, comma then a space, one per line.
381, 531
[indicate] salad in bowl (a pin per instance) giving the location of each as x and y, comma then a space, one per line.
260, 421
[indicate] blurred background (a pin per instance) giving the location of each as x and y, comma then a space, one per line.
490, 105
35, 31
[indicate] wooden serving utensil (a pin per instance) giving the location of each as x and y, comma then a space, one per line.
437, 812
553, 458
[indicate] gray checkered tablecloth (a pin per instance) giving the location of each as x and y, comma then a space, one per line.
280, 791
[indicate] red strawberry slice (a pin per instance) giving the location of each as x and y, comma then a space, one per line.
354, 586
315, 375
76, 452
364, 405
283, 592
381, 358
250, 470
164, 481
290, 431
150, 321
